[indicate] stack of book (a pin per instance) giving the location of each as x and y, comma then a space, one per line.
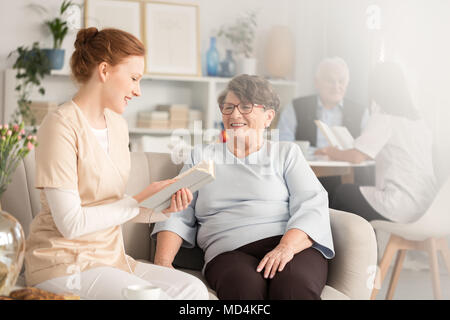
153, 120
172, 116
178, 115
194, 115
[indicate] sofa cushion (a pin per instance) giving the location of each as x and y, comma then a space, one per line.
329, 293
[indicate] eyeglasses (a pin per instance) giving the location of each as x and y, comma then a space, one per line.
228, 108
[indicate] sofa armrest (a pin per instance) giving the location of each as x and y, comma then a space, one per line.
136, 237
353, 268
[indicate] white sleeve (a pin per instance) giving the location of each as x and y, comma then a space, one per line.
74, 221
375, 136
365, 120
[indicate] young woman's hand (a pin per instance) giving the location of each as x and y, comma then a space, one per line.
327, 151
152, 188
349, 155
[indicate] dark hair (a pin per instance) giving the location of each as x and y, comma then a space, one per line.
252, 89
93, 47
388, 88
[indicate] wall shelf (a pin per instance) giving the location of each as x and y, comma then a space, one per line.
199, 93
221, 80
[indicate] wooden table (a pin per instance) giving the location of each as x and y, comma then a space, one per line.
326, 168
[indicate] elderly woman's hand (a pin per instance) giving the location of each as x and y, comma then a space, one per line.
180, 201
276, 260
294, 241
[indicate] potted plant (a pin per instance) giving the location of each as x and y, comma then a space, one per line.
241, 36
32, 66
58, 28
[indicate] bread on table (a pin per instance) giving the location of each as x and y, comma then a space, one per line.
30, 293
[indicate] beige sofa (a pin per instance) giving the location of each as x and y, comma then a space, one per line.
350, 272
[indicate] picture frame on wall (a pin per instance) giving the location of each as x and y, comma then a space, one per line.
125, 15
171, 33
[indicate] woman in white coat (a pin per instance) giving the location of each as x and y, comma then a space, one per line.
401, 144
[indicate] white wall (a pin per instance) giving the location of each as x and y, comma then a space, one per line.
414, 31
308, 19
415, 34
22, 25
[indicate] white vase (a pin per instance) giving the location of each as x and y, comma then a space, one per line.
246, 66
12, 251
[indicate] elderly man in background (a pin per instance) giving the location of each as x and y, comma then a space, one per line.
330, 106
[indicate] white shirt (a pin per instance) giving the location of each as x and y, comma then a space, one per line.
405, 181
102, 137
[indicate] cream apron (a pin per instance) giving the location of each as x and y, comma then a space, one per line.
70, 157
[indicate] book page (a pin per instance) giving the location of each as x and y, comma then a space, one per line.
205, 166
344, 137
193, 179
328, 133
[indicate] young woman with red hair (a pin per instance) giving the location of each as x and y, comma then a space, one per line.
82, 167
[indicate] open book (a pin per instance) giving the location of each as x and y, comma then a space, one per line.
338, 137
192, 179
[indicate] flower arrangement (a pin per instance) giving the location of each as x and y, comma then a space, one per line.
15, 144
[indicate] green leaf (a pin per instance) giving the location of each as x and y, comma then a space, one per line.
32, 66
64, 6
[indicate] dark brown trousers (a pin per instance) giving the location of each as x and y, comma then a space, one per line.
233, 274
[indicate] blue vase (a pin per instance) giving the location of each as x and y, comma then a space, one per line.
228, 66
212, 59
55, 57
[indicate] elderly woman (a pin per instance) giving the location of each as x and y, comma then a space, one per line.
263, 224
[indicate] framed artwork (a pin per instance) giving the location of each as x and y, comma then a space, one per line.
125, 15
171, 33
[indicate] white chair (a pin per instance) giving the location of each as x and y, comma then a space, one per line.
427, 234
